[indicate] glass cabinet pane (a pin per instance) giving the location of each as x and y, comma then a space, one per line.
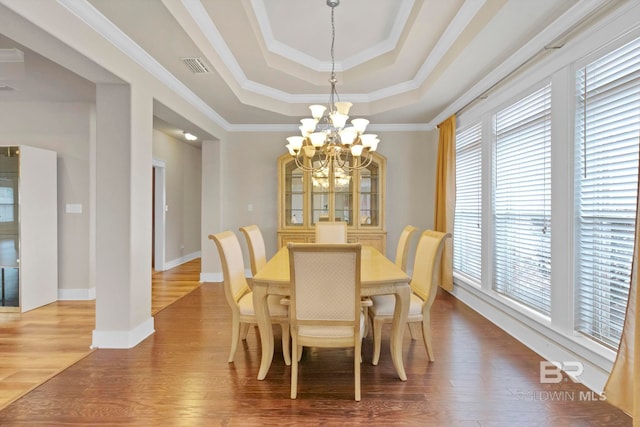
369, 196
294, 195
320, 192
342, 183
9, 227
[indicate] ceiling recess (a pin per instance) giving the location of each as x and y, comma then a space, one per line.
196, 65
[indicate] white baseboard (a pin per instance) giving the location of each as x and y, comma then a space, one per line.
551, 345
123, 339
179, 261
88, 294
211, 277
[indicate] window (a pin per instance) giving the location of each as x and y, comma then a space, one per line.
467, 238
607, 139
522, 201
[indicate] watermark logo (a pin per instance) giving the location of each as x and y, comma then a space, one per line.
557, 373
551, 372
560, 396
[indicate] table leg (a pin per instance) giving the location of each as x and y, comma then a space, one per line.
403, 297
264, 326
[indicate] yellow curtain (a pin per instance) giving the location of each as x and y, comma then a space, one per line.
623, 386
446, 195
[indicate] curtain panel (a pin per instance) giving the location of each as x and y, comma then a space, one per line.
445, 204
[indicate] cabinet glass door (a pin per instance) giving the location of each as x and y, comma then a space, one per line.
320, 194
342, 183
9, 228
369, 196
294, 195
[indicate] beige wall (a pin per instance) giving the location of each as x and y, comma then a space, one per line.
183, 176
411, 172
65, 129
249, 177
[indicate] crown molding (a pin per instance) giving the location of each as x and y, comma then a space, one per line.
278, 48
391, 127
200, 16
533, 47
459, 22
101, 25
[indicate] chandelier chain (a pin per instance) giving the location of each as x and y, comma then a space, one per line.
333, 95
326, 142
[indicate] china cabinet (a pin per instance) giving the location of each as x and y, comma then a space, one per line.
333, 193
28, 228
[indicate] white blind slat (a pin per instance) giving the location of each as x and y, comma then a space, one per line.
607, 140
522, 201
467, 220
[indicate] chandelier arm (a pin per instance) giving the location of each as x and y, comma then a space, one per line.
342, 162
367, 161
300, 163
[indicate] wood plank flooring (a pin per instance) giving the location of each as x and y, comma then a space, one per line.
180, 376
38, 344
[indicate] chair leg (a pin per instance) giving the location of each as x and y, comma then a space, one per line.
285, 343
235, 334
377, 337
367, 318
244, 330
299, 352
294, 368
426, 337
414, 330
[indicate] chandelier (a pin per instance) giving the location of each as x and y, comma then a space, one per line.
326, 138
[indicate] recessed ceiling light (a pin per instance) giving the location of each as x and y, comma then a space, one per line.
189, 136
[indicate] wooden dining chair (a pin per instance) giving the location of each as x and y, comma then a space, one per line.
404, 243
240, 298
255, 244
331, 232
325, 306
402, 254
424, 286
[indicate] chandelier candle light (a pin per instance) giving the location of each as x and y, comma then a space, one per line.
325, 137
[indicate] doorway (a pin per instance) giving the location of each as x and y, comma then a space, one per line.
158, 215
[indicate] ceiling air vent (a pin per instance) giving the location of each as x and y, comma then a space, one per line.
196, 65
5, 88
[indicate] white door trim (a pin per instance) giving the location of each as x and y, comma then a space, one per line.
159, 171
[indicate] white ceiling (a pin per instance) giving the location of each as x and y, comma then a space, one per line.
405, 64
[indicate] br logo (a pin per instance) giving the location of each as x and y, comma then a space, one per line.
551, 372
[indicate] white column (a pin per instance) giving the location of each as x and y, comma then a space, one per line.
211, 269
124, 122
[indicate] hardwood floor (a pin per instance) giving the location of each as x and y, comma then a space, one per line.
180, 376
38, 344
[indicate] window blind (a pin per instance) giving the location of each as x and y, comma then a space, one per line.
522, 201
607, 140
467, 218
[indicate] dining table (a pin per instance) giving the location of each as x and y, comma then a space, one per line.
378, 276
